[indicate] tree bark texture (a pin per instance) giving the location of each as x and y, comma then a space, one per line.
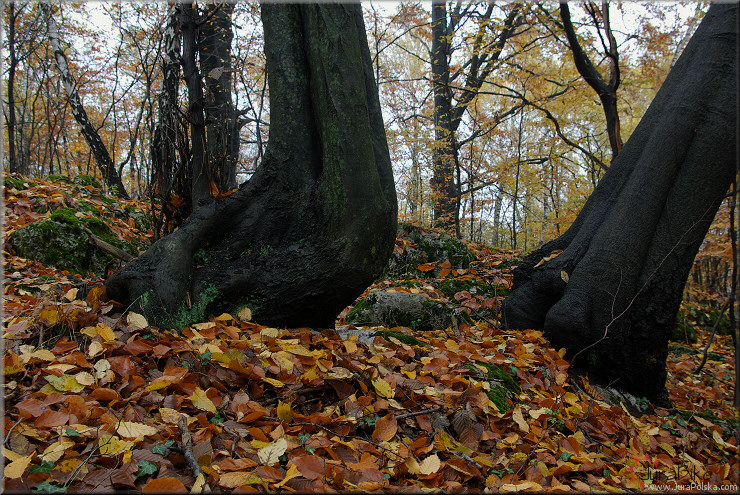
12, 67
316, 224
93, 139
443, 154
611, 296
222, 131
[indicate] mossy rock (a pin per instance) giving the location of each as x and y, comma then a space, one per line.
17, 184
503, 385
429, 247
400, 336
62, 242
59, 178
401, 309
475, 287
87, 180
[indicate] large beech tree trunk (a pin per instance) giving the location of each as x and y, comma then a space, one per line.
317, 221
610, 298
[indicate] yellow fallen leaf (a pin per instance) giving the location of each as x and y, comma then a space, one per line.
169, 415
350, 346
668, 448
136, 320
200, 483
430, 465
131, 429
89, 332
297, 349
245, 314
269, 333
44, 355
570, 398
202, 402
16, 468
339, 373
270, 454
101, 367
94, 349
718, 438
109, 445
63, 367
9, 454
84, 378
224, 317
413, 466
65, 383
284, 413
56, 450
71, 294
560, 378
524, 485
235, 479
383, 388
703, 421
282, 359
518, 418
292, 473
536, 413
203, 326
106, 332
273, 382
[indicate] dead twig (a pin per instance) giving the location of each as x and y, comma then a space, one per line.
187, 450
711, 336
418, 413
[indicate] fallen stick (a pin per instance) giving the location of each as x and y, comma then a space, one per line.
187, 451
108, 248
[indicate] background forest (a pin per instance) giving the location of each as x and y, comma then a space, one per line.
505, 155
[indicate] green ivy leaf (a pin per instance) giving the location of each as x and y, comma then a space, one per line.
303, 437
47, 487
44, 467
161, 447
146, 468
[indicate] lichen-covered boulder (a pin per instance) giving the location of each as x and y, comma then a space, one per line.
421, 246
62, 242
402, 309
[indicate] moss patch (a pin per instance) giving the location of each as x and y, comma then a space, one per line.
472, 285
62, 242
87, 180
400, 336
426, 247
17, 184
502, 383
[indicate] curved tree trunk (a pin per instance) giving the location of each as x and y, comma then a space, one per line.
91, 135
610, 298
317, 222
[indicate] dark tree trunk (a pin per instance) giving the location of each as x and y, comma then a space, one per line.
13, 64
222, 132
606, 89
93, 139
448, 110
444, 187
317, 222
629, 252
170, 183
200, 192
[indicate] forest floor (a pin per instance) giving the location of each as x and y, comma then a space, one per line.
97, 400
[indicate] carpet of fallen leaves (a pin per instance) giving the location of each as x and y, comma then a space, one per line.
97, 400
